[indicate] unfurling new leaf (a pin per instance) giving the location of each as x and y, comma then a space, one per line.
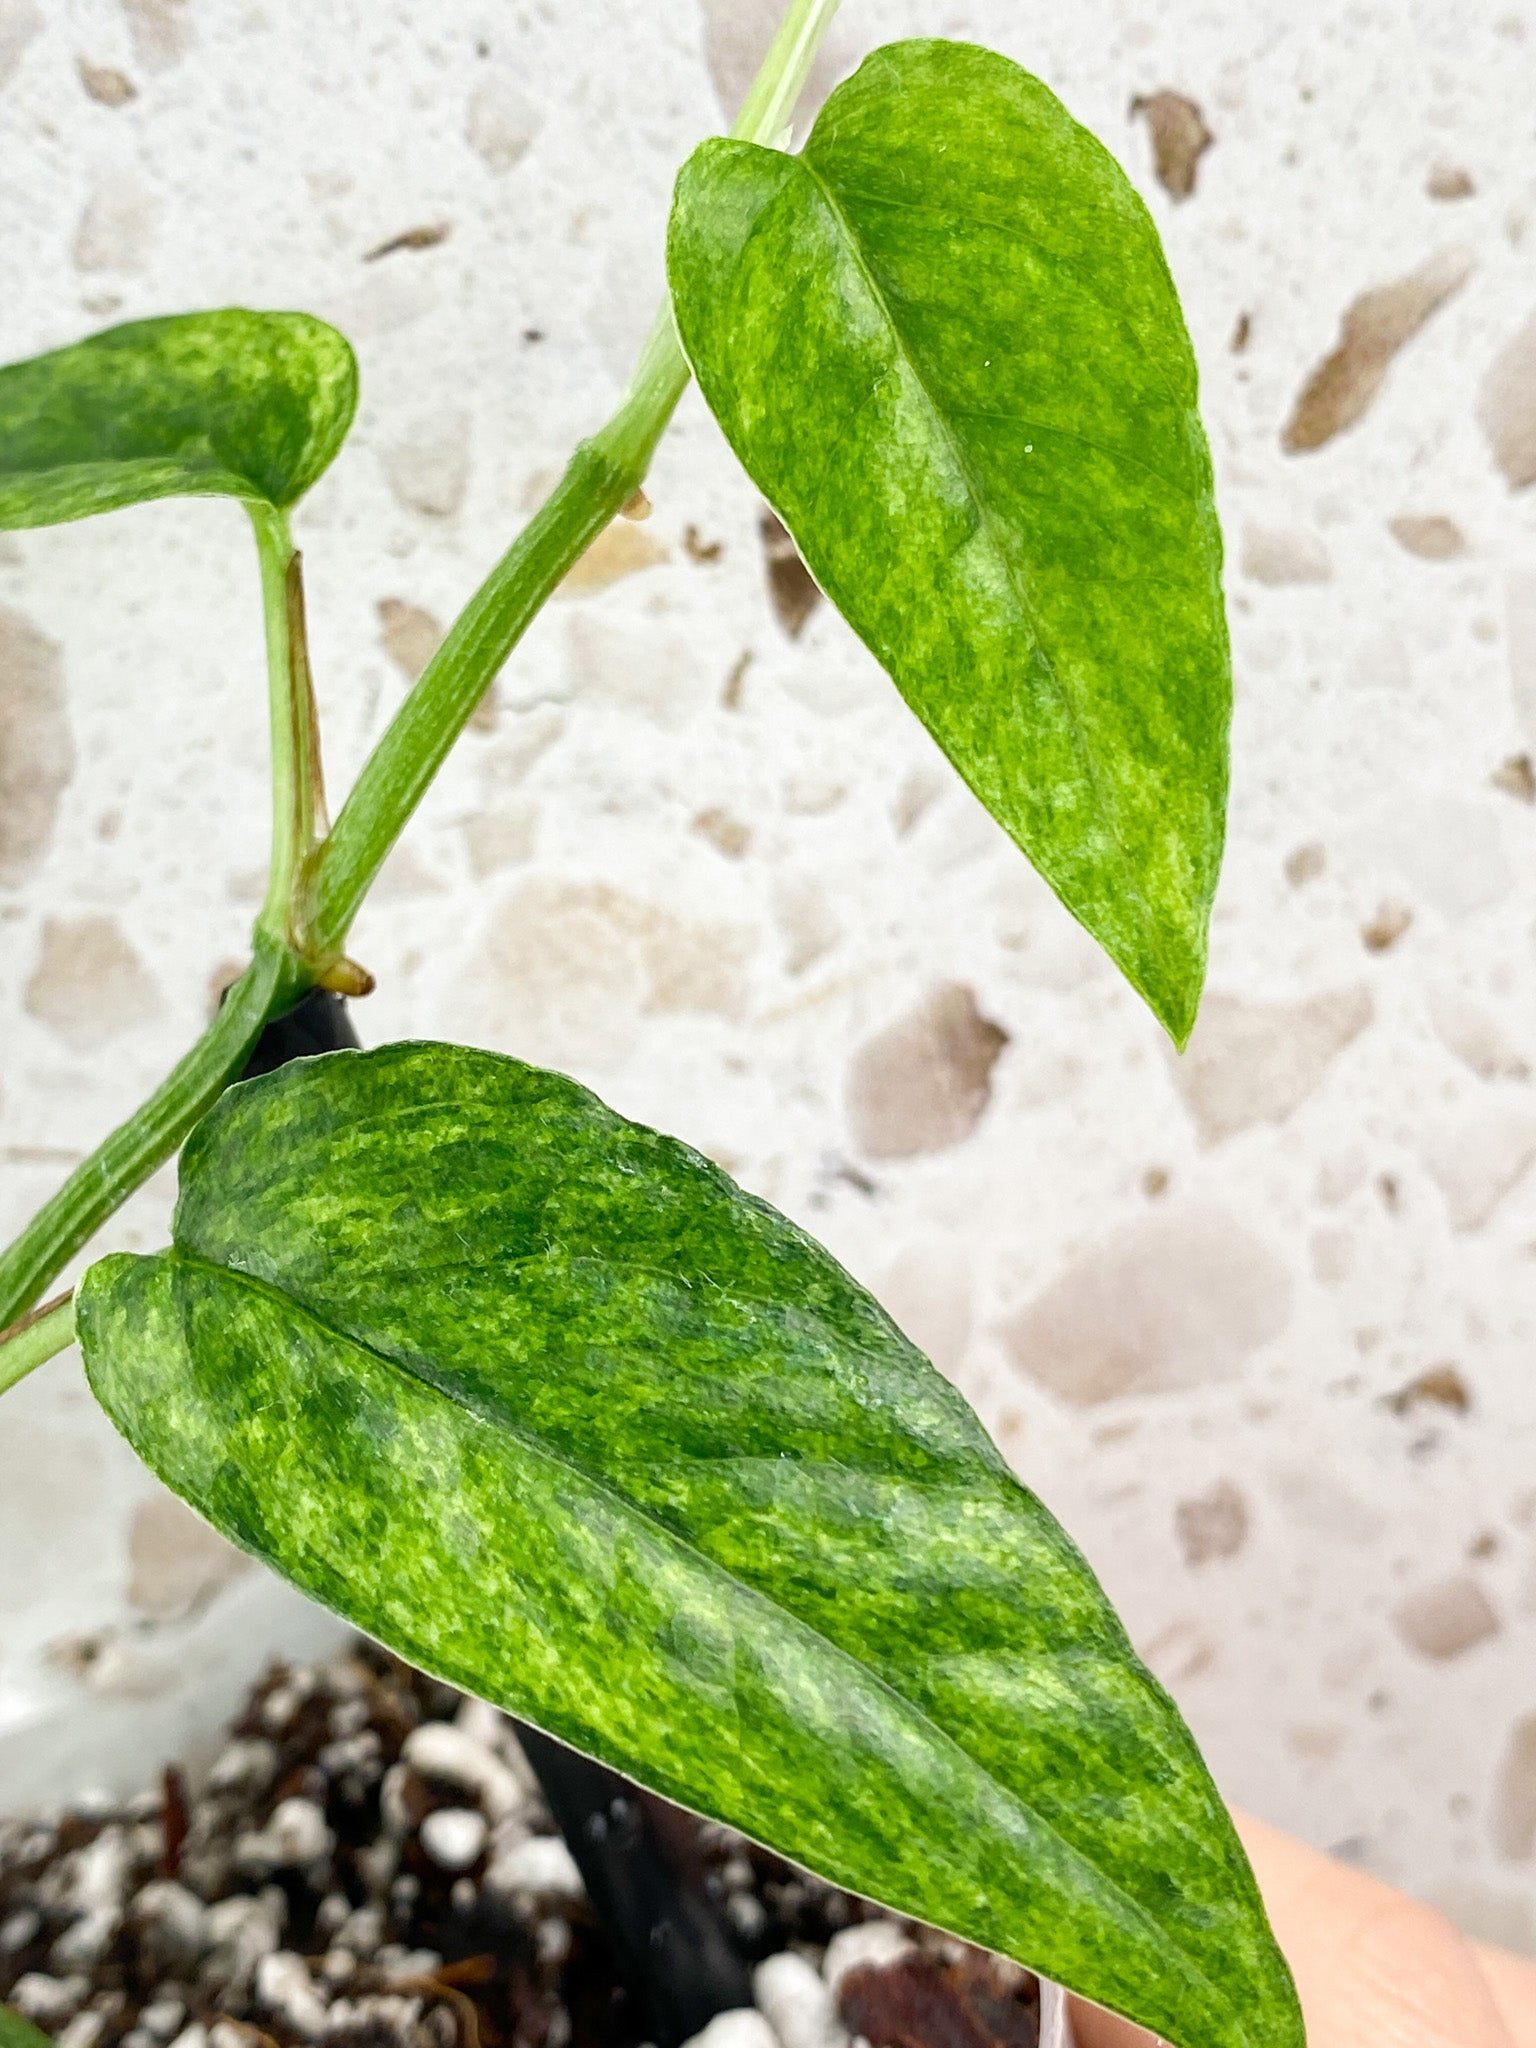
233, 403
543, 1401
944, 343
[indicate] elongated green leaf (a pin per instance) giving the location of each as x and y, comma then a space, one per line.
237, 404
945, 345
546, 1403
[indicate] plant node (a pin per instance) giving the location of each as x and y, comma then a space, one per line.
345, 977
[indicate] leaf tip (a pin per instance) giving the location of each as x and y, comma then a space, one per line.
1177, 1016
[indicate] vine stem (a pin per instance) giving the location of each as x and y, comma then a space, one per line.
100, 1185
35, 1339
771, 97
601, 474
275, 979
315, 892
298, 787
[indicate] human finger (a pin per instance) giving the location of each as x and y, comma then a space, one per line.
1373, 1968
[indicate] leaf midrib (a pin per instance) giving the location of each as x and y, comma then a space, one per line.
1048, 255
988, 517
536, 1447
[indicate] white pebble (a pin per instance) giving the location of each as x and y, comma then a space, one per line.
742, 2027
298, 1833
399, 1963
146, 1842
162, 2017
553, 1939
493, 1731
513, 1829
284, 1701
48, 2001
230, 1920
361, 1932
361, 1752
876, 1942
392, 1801
349, 1717
94, 1803
241, 1931
286, 1989
439, 1750
34, 1842
174, 1920
332, 1914
82, 1946
248, 1766
377, 1864
479, 1720
797, 2002
347, 1676
542, 1866
454, 1836
747, 1914
100, 1873
381, 2011
22, 1927
195, 2036
83, 2031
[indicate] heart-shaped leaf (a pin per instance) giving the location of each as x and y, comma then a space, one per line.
546, 1403
946, 347
237, 404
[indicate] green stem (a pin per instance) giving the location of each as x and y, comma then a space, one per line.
34, 1340
297, 793
315, 892
770, 101
598, 478
601, 475
273, 982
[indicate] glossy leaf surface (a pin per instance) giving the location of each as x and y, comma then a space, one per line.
945, 345
547, 1404
233, 403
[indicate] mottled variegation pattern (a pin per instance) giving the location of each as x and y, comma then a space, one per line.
945, 343
238, 404
545, 1402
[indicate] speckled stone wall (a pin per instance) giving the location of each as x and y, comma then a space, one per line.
1257, 1324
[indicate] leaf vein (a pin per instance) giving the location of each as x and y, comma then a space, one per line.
538, 1448
1134, 883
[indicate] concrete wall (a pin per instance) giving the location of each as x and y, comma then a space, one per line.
1258, 1325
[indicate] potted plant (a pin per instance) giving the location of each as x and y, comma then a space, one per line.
537, 1397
